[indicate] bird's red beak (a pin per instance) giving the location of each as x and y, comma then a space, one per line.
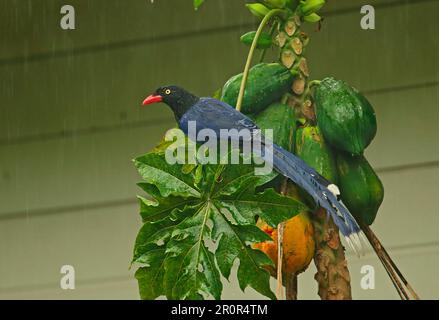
152, 99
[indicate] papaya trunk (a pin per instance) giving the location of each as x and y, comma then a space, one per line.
291, 287
332, 273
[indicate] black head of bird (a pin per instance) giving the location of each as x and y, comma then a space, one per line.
178, 99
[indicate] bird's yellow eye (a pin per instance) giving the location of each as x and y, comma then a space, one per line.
167, 91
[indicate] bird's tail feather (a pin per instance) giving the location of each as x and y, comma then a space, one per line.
396, 276
324, 193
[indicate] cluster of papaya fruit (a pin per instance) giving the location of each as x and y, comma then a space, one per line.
333, 144
329, 127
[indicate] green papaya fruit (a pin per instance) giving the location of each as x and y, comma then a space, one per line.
361, 190
345, 117
266, 83
312, 148
282, 120
264, 41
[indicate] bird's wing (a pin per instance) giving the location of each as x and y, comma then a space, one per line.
213, 114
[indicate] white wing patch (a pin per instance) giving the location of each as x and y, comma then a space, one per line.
334, 190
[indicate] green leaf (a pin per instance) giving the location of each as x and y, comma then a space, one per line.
236, 179
198, 221
234, 244
153, 210
169, 179
198, 3
158, 233
310, 6
272, 207
197, 274
258, 9
151, 278
313, 17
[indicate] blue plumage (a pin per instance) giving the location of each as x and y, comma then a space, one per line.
215, 115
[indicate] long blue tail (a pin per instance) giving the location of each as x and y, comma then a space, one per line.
324, 193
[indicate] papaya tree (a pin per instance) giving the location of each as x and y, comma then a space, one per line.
200, 219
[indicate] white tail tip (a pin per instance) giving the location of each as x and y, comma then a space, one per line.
355, 243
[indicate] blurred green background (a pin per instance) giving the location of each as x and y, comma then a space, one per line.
71, 121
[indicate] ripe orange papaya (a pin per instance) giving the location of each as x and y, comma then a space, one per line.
298, 244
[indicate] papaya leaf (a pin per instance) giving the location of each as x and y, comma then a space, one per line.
233, 244
152, 211
272, 207
197, 273
150, 278
170, 180
197, 223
